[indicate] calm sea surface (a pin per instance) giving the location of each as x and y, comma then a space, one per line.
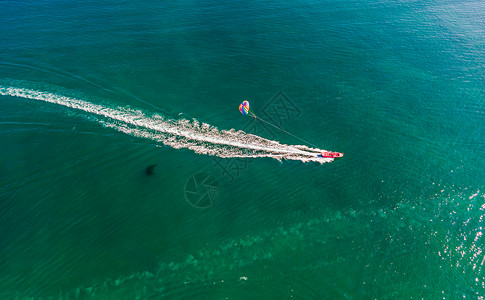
398, 86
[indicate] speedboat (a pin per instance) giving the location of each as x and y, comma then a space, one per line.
330, 154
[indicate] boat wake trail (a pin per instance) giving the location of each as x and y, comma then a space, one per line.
199, 137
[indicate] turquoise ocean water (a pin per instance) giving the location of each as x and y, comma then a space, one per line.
398, 86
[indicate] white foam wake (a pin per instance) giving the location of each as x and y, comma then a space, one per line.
199, 137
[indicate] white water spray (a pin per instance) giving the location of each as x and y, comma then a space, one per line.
198, 137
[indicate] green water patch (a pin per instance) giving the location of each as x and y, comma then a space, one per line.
407, 251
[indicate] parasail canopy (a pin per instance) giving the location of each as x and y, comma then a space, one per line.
244, 107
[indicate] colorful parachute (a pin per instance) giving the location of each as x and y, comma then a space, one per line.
244, 107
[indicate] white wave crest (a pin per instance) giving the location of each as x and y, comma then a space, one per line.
199, 137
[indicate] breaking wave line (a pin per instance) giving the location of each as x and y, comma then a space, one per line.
201, 138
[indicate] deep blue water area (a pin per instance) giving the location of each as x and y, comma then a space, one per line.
398, 86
